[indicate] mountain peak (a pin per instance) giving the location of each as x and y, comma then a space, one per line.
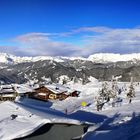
111, 57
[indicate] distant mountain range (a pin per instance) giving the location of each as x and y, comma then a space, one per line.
96, 58
14, 69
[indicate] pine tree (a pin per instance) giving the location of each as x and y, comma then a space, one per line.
131, 92
100, 103
103, 96
106, 93
114, 88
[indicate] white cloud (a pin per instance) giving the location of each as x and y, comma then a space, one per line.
41, 44
94, 39
99, 29
116, 41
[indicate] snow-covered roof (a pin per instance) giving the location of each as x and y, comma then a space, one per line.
6, 86
6, 89
57, 88
23, 88
8, 95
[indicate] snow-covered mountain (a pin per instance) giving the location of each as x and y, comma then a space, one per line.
111, 57
101, 66
11, 59
96, 58
6, 58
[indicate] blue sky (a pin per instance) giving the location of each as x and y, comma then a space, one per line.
69, 27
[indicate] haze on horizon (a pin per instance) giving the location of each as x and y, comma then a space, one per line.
69, 27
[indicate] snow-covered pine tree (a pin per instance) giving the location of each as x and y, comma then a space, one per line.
114, 88
131, 92
103, 97
106, 93
100, 103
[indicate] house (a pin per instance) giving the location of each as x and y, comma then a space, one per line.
53, 92
7, 92
44, 92
49, 92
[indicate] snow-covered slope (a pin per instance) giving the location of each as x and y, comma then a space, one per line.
99, 58
27, 119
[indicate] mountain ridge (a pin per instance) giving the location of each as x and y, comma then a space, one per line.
96, 58
15, 69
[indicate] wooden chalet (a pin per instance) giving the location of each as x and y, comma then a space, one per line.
45, 93
53, 92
